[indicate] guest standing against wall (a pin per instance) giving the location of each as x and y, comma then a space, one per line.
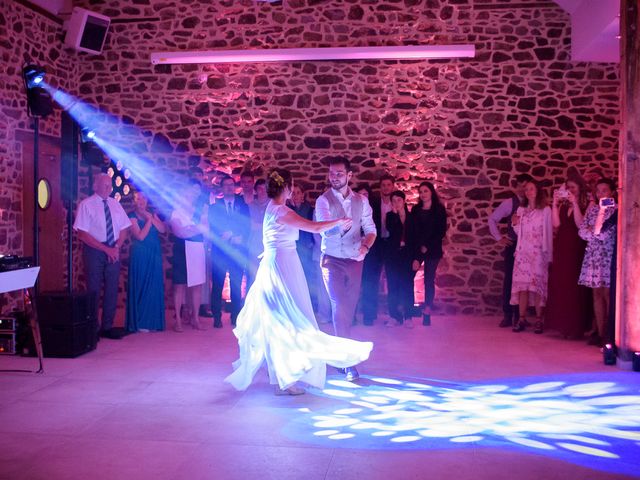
429, 226
205, 199
508, 241
247, 184
229, 227
256, 217
534, 227
378, 257
101, 223
145, 280
596, 266
568, 306
401, 255
188, 225
305, 242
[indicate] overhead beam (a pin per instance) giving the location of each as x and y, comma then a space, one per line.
628, 286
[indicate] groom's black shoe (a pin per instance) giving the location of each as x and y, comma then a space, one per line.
217, 323
351, 374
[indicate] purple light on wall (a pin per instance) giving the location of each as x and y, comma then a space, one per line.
413, 52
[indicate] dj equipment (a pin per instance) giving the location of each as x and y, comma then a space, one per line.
12, 262
19, 274
7, 336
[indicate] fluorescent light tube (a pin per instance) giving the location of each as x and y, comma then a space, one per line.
412, 52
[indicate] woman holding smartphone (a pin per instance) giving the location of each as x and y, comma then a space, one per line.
596, 266
568, 307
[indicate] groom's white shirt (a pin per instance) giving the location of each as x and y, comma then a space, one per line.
338, 243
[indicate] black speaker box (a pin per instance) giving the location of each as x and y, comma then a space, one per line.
67, 324
39, 102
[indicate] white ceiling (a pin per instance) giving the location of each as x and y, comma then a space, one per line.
569, 5
595, 26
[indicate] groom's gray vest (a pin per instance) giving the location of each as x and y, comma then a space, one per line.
347, 245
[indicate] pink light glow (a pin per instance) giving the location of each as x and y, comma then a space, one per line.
314, 54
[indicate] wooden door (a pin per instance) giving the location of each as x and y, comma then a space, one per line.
52, 220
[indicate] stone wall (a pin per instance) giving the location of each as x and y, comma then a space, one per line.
25, 36
468, 125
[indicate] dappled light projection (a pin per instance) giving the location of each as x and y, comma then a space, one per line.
592, 420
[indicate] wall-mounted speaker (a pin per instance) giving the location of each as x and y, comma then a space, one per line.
86, 31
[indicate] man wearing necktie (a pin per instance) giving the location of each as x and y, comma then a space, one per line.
101, 222
229, 225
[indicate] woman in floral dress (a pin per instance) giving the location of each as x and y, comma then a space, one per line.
596, 266
533, 225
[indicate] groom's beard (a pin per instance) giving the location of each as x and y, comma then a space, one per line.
337, 184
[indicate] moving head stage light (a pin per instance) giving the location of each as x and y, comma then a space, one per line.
38, 99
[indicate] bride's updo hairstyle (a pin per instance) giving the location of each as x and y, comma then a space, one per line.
278, 180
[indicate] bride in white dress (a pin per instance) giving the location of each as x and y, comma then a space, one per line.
277, 324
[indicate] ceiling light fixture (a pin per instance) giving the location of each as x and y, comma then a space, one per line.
412, 52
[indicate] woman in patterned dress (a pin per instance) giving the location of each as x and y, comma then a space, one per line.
596, 266
533, 225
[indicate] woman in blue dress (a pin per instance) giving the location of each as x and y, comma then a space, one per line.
145, 290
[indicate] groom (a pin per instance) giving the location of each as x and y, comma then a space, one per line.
343, 250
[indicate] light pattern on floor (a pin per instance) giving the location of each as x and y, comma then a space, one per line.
594, 421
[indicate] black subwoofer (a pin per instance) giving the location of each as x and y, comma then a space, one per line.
67, 324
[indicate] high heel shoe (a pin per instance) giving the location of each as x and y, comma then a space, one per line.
194, 321
196, 325
520, 325
539, 326
177, 326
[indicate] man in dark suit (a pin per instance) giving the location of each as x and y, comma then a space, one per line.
380, 252
229, 226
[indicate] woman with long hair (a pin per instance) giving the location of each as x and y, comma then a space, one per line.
277, 324
596, 266
429, 226
534, 227
568, 305
400, 274
145, 280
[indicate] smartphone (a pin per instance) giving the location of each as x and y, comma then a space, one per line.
607, 202
562, 192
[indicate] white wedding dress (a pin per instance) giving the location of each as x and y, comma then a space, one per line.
277, 324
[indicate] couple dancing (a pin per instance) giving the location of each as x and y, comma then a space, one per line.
277, 324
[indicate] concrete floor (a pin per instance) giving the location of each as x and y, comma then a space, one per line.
461, 399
